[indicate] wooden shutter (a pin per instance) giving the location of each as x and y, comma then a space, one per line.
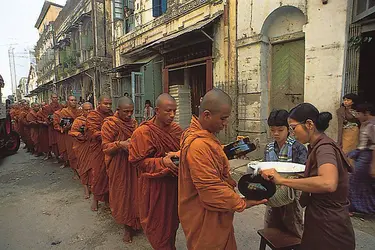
163, 6
352, 62
118, 10
156, 8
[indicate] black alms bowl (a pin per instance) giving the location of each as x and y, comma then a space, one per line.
254, 187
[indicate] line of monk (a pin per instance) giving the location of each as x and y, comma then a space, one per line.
130, 168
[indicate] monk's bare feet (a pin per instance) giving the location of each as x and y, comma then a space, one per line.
128, 235
75, 177
94, 205
87, 192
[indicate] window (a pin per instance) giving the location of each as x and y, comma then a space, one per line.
138, 94
159, 7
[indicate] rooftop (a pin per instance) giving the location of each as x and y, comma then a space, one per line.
43, 13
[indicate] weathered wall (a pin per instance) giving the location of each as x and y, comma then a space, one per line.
51, 15
324, 57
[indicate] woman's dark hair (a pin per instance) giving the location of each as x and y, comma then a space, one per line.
307, 111
278, 118
365, 107
148, 102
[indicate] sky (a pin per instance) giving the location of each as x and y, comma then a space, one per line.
17, 21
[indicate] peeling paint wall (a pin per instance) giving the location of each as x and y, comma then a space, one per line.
324, 57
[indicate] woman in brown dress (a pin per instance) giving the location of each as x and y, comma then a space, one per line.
348, 124
325, 186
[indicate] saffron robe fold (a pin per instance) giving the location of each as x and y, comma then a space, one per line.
81, 147
24, 129
207, 200
60, 136
42, 117
32, 122
70, 113
157, 188
122, 175
94, 124
52, 133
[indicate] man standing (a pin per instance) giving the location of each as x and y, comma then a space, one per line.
207, 200
70, 112
52, 133
32, 122
81, 147
94, 125
116, 133
42, 117
60, 135
152, 146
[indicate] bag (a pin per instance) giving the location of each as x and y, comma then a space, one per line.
284, 195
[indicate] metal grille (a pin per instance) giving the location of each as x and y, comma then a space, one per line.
352, 62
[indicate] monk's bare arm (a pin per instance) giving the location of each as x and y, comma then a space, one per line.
141, 155
109, 143
214, 192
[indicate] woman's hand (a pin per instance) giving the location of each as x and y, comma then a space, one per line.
272, 175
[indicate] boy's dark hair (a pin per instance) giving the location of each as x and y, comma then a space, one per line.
351, 96
278, 118
365, 107
148, 102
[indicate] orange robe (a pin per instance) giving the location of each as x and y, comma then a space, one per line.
31, 120
94, 124
81, 147
42, 116
68, 140
52, 133
60, 136
122, 176
206, 196
23, 130
157, 188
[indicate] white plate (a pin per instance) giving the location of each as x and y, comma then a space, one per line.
281, 167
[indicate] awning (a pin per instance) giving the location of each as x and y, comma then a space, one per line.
133, 65
39, 89
196, 27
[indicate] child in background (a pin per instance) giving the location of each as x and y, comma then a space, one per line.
284, 149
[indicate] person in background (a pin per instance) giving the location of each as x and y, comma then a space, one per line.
325, 186
148, 112
362, 181
348, 124
126, 94
284, 148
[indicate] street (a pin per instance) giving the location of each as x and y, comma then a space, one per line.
42, 207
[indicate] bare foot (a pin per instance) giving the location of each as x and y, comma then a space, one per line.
63, 166
128, 235
94, 205
75, 177
87, 192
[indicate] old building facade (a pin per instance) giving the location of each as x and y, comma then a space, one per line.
82, 52
180, 47
44, 51
288, 52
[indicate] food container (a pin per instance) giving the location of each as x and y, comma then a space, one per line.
239, 148
283, 195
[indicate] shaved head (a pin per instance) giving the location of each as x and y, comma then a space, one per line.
124, 101
87, 105
214, 100
215, 110
102, 97
164, 98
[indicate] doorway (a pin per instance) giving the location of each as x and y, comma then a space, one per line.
288, 70
366, 84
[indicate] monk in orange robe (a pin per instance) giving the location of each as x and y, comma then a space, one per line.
24, 128
94, 125
42, 119
60, 135
116, 133
70, 112
32, 122
81, 147
207, 200
52, 133
153, 144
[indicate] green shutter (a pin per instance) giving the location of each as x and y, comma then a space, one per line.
118, 9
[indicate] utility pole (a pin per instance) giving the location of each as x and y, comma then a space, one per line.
12, 67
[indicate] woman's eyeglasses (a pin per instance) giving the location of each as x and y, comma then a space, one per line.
292, 127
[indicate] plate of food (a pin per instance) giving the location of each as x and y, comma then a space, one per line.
288, 168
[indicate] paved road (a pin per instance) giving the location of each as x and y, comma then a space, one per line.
41, 207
